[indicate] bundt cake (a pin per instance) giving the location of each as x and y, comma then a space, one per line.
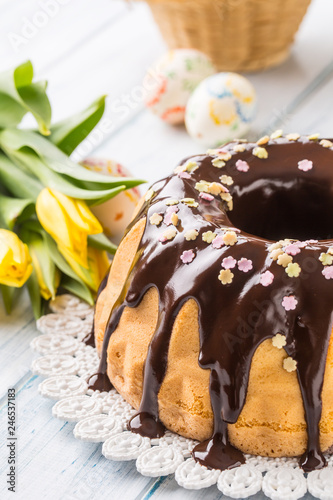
215, 321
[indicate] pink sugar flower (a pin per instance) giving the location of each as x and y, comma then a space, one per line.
301, 244
229, 262
206, 196
168, 214
328, 272
245, 265
242, 166
289, 302
162, 239
292, 249
305, 165
184, 175
218, 242
312, 242
267, 278
173, 209
187, 256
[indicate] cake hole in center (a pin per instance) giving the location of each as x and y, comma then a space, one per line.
274, 210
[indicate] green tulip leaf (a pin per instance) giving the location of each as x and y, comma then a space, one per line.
24, 96
75, 287
18, 182
23, 74
39, 251
36, 100
11, 112
34, 294
53, 180
101, 242
15, 209
15, 140
69, 133
8, 293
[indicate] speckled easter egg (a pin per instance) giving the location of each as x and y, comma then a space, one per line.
116, 213
220, 109
172, 79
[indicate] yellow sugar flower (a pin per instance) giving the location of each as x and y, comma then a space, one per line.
69, 222
15, 260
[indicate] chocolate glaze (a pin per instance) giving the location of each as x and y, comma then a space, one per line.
273, 200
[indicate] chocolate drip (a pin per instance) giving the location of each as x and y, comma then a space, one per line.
89, 339
270, 199
155, 368
100, 380
308, 342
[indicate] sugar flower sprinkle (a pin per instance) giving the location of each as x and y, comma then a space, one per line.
267, 278
155, 219
292, 249
279, 341
260, 153
191, 234
149, 194
171, 202
226, 276
245, 265
289, 303
190, 202
229, 262
206, 196
284, 259
328, 272
169, 213
293, 270
230, 238
208, 236
326, 259
305, 165
187, 256
242, 166
289, 364
184, 175
218, 242
169, 234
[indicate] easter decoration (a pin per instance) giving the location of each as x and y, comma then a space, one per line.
49, 236
172, 79
221, 109
115, 213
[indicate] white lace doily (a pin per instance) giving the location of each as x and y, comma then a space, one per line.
102, 417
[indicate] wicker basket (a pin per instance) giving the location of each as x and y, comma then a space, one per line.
238, 35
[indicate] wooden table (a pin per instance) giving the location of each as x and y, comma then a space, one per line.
86, 49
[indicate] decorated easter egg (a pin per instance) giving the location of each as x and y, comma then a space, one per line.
116, 213
221, 109
171, 81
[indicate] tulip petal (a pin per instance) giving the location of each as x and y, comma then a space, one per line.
52, 217
15, 261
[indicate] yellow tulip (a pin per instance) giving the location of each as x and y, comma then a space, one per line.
69, 222
15, 260
98, 265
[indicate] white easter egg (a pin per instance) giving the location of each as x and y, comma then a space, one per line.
116, 213
172, 79
221, 108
